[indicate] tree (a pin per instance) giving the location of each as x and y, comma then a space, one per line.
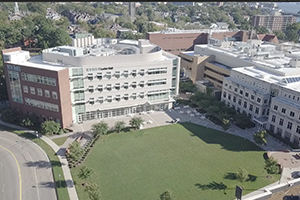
292, 32
136, 122
271, 166
260, 137
242, 175
26, 122
226, 124
262, 30
165, 196
100, 128
85, 173
93, 191
50, 127
119, 126
75, 150
280, 35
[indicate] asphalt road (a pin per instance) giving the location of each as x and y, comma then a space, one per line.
25, 170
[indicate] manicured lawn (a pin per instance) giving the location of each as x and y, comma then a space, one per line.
190, 161
56, 165
60, 141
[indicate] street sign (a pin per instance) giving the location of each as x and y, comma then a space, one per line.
238, 192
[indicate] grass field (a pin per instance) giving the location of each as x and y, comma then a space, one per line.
190, 161
60, 141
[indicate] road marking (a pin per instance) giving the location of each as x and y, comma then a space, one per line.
20, 180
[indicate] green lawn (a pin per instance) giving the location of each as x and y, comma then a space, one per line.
60, 141
56, 165
190, 161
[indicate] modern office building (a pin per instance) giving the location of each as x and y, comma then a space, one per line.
274, 22
111, 78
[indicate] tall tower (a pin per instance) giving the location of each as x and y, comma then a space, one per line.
132, 11
16, 8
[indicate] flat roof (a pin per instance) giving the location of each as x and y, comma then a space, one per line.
220, 65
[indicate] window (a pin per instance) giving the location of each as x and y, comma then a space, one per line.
224, 94
90, 76
47, 93
289, 126
142, 72
275, 107
133, 85
91, 88
109, 99
234, 99
126, 96
108, 75
117, 74
265, 101
99, 75
32, 90
39, 92
235, 89
118, 97
133, 96
100, 99
100, 88
281, 122
117, 86
229, 97
298, 129
246, 94
250, 107
133, 73
256, 110
125, 74
54, 95
91, 100
142, 95
25, 89
258, 100
108, 87
245, 104
142, 83
241, 92
283, 110
273, 118
252, 97
126, 85
292, 114
240, 102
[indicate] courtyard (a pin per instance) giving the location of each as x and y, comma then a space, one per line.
189, 160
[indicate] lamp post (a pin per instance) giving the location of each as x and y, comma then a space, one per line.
59, 180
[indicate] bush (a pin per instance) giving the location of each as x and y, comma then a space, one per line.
50, 127
215, 120
284, 140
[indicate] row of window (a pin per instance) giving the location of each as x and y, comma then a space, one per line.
117, 74
252, 97
38, 79
116, 98
289, 124
39, 92
117, 86
41, 104
250, 107
283, 110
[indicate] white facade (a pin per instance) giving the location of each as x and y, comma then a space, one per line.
118, 78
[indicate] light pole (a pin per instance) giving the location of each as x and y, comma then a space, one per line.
59, 180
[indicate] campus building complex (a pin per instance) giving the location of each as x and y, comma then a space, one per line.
74, 84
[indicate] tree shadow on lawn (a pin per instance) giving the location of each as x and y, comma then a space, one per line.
212, 186
233, 176
226, 140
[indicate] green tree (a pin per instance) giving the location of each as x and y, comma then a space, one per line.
242, 175
93, 191
260, 137
63, 23
100, 128
75, 150
119, 126
26, 122
262, 30
85, 173
292, 31
136, 122
226, 124
271, 166
280, 35
50, 127
165, 196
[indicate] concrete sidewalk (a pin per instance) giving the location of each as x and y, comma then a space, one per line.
61, 155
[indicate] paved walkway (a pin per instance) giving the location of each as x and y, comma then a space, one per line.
61, 155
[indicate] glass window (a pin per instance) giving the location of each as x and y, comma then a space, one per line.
118, 97
100, 99
126, 96
258, 100
54, 95
133, 95
32, 90
283, 110
117, 74
39, 92
126, 85
273, 118
275, 107
25, 89
109, 98
290, 125
108, 87
47, 93
117, 86
292, 114
281, 122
